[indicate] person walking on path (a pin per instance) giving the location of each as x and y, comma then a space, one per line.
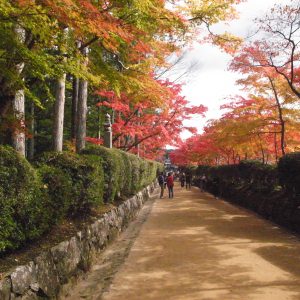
182, 179
170, 185
188, 179
161, 182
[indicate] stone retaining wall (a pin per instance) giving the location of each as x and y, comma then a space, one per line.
44, 277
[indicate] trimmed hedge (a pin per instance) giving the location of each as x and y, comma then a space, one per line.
58, 187
74, 183
270, 190
128, 180
113, 168
124, 173
22, 201
63, 185
248, 175
289, 173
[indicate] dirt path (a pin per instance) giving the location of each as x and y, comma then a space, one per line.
194, 247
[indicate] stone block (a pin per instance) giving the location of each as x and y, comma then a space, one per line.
22, 278
47, 276
66, 257
5, 289
85, 251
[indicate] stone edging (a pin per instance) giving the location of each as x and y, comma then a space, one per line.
45, 276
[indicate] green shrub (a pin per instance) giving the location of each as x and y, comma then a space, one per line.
22, 216
95, 191
154, 169
121, 173
262, 177
128, 170
143, 174
62, 185
85, 175
231, 179
58, 185
11, 235
289, 173
111, 168
124, 173
135, 176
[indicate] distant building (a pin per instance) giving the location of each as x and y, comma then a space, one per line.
167, 163
169, 167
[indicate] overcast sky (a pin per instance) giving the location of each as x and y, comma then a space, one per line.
212, 83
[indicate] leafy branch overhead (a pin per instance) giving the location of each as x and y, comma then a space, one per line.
262, 124
56, 55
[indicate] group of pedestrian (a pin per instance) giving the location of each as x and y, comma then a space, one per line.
166, 181
185, 180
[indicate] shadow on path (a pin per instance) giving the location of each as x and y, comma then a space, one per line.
196, 247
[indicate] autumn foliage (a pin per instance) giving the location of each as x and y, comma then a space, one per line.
147, 126
263, 123
66, 53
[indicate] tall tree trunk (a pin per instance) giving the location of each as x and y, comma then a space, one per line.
275, 147
32, 129
233, 157
18, 134
137, 145
282, 137
82, 109
59, 106
75, 90
59, 111
262, 154
280, 116
18, 105
81, 115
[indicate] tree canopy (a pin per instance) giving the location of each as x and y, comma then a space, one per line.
60, 58
263, 123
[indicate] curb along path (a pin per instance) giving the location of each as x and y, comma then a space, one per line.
195, 247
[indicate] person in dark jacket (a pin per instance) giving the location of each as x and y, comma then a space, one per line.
161, 182
188, 180
182, 179
170, 185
